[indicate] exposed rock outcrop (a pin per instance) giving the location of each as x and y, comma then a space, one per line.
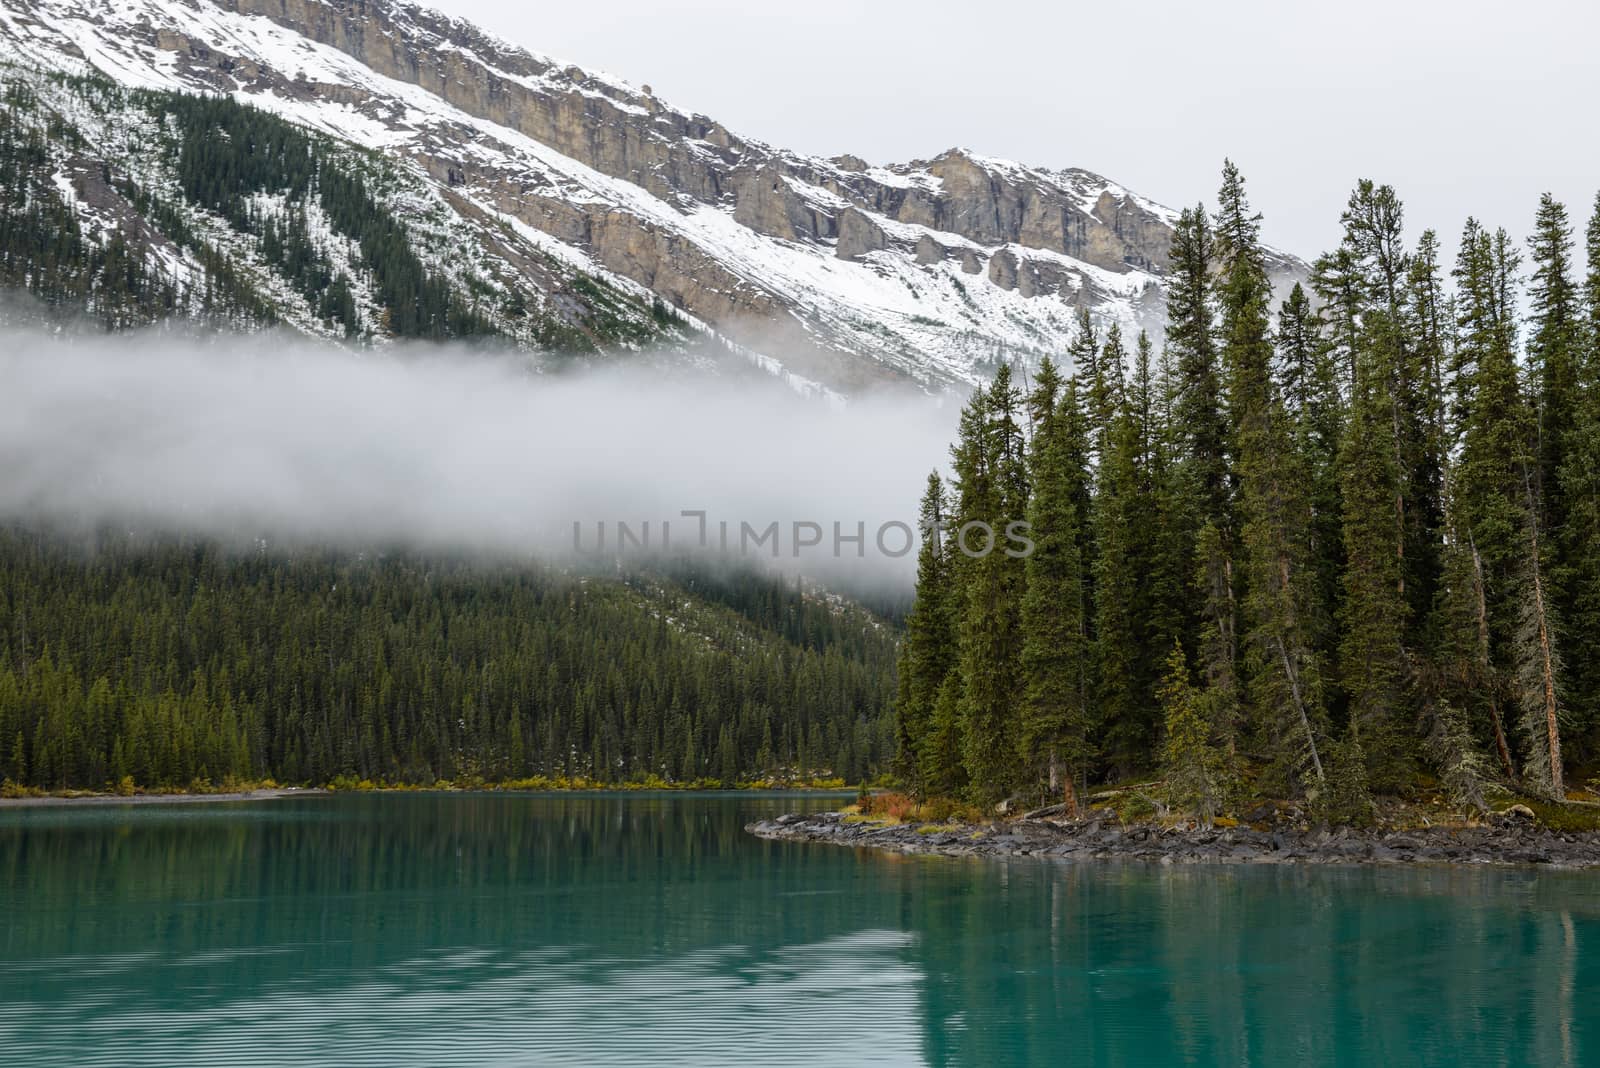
929, 250
1003, 269
764, 200
859, 235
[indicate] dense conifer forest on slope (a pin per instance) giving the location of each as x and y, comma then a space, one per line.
1329, 550
172, 664
129, 207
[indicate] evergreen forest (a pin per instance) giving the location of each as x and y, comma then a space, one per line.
1335, 544
185, 664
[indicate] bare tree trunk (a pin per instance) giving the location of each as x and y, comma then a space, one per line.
1500, 747
1546, 664
1300, 705
1548, 678
1289, 670
1552, 733
1400, 491
1069, 797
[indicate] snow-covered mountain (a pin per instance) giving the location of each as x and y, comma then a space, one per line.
836, 271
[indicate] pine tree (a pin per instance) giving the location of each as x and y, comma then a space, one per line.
928, 652
1309, 379
1385, 309
1204, 478
1103, 385
943, 771
992, 481
1158, 528
1336, 277
1462, 681
1538, 669
1429, 331
1055, 655
1373, 618
1079, 408
1191, 763
1300, 346
1553, 353
1498, 506
1457, 686
1284, 673
1374, 236
1577, 540
1120, 709
1042, 402
1497, 426
1074, 427
1555, 363
1192, 343
1243, 291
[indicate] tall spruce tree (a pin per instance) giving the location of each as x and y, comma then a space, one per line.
928, 652
1309, 377
1430, 339
1458, 685
1578, 536
1083, 355
1374, 224
1284, 673
1555, 363
1498, 506
1192, 344
1054, 735
990, 467
1121, 715
1372, 660
1083, 359
1204, 477
1554, 352
1161, 527
1337, 279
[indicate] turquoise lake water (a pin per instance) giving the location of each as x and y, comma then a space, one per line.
505, 929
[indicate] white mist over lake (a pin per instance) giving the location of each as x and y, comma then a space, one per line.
269, 436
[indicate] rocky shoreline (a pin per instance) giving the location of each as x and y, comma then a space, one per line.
1502, 840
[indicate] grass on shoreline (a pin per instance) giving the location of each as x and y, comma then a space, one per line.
1133, 806
349, 784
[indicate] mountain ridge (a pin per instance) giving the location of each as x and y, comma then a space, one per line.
839, 272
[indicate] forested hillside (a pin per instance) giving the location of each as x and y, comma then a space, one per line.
132, 206
174, 662
1331, 549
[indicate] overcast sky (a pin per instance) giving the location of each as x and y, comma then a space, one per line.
1466, 107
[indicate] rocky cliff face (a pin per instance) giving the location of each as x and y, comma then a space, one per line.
933, 269
631, 135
